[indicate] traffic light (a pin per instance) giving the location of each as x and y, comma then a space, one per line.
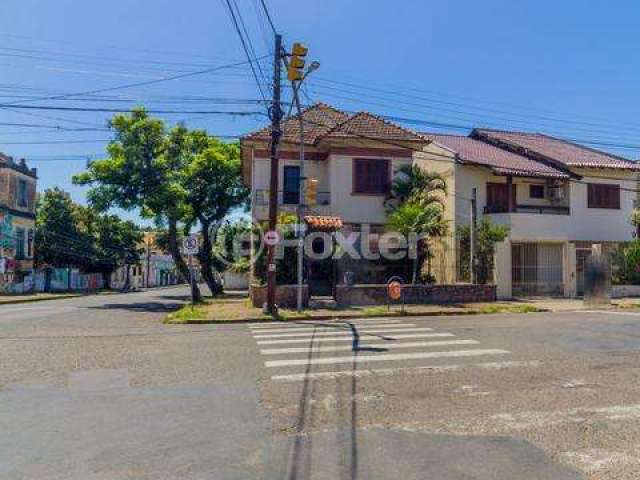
312, 191
296, 62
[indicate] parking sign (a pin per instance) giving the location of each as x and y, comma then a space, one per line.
190, 245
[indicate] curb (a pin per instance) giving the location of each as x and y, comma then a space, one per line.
441, 313
59, 297
34, 300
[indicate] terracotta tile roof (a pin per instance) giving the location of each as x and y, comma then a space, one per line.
501, 161
368, 125
319, 120
562, 151
324, 121
319, 222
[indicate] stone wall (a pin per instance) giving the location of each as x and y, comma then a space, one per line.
286, 296
624, 291
419, 294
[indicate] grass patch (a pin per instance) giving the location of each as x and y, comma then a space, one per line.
507, 308
187, 313
238, 309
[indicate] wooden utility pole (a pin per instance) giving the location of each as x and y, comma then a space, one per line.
472, 236
276, 133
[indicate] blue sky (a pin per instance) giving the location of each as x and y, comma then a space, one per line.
569, 68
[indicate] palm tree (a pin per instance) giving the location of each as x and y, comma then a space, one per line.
415, 184
416, 208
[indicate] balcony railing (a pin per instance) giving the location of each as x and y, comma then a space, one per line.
261, 198
540, 209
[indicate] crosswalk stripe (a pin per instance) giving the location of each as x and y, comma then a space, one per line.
311, 321
325, 334
350, 338
297, 325
388, 345
382, 357
336, 328
296, 377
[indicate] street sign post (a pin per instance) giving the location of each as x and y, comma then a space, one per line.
190, 248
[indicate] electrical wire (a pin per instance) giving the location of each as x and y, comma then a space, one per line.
116, 110
268, 15
140, 84
244, 46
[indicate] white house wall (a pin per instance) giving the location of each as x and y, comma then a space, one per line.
598, 224
356, 208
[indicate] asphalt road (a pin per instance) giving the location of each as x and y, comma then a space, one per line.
97, 388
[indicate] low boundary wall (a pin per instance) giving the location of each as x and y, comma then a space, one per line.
286, 296
357, 295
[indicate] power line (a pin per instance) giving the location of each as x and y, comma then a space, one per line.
116, 110
249, 42
244, 46
449, 159
268, 15
57, 142
506, 125
141, 84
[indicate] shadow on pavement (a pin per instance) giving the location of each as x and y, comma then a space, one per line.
143, 307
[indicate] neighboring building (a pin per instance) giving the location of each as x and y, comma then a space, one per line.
17, 219
156, 267
558, 198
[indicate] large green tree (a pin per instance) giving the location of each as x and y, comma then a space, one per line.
59, 241
143, 171
68, 234
213, 187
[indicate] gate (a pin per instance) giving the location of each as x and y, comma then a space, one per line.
536, 269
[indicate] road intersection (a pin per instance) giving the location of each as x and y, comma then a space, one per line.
99, 388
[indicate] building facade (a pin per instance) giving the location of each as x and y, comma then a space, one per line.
557, 198
17, 220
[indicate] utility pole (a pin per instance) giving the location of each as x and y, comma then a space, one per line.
301, 202
276, 133
472, 236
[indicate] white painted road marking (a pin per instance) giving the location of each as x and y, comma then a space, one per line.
361, 321
401, 370
350, 338
383, 357
363, 331
335, 328
390, 345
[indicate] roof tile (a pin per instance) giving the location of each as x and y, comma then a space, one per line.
562, 151
500, 161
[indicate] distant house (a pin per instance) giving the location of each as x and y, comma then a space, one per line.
558, 198
17, 219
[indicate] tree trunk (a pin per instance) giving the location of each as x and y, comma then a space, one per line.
206, 261
182, 267
127, 279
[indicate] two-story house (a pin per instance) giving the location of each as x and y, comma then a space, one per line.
17, 219
557, 198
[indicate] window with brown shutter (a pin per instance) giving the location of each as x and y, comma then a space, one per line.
601, 195
370, 175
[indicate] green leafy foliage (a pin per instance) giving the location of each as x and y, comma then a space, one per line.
625, 263
178, 177
488, 234
68, 234
287, 264
416, 209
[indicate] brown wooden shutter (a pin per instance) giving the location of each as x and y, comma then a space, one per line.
614, 196
31, 196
